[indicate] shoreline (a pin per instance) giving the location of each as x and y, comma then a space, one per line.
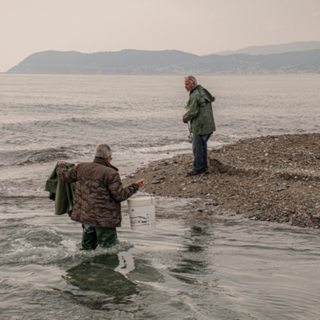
269, 178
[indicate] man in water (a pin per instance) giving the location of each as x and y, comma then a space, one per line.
99, 192
200, 115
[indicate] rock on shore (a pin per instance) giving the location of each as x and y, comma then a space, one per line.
272, 178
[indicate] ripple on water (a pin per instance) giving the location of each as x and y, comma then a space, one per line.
184, 269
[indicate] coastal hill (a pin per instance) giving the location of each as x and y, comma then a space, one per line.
275, 48
167, 62
121, 62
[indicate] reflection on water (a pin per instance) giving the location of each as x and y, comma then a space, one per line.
98, 274
116, 275
186, 268
195, 249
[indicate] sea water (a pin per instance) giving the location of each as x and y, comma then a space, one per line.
214, 268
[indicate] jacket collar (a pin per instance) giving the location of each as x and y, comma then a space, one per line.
196, 87
104, 163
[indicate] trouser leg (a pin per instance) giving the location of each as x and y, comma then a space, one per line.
107, 237
200, 152
197, 152
89, 237
205, 137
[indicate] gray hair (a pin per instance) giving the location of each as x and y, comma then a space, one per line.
103, 151
191, 79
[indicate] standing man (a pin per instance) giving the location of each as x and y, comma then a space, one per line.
202, 123
99, 192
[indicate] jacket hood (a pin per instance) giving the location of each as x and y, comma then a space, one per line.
204, 93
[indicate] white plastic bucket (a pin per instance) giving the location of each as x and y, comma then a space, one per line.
142, 213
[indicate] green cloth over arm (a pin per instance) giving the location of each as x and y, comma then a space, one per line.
61, 192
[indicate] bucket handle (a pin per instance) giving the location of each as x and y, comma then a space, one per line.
153, 198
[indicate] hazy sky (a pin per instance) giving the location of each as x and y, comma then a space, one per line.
200, 27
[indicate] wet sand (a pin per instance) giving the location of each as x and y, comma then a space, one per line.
272, 178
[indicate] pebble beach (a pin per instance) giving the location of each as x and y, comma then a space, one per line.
270, 178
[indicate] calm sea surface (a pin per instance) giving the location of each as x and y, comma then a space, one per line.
219, 268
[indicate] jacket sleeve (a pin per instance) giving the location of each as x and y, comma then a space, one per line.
116, 189
66, 175
193, 110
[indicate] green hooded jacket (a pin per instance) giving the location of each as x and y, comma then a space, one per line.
61, 192
200, 112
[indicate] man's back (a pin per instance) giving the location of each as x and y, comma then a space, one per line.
99, 192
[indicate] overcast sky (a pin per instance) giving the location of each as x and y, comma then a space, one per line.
200, 27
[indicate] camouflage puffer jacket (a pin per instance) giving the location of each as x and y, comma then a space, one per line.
99, 192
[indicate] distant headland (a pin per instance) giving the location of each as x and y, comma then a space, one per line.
297, 57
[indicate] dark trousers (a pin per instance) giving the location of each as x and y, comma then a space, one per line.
92, 236
200, 152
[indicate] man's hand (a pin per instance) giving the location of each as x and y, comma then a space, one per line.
60, 162
140, 183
